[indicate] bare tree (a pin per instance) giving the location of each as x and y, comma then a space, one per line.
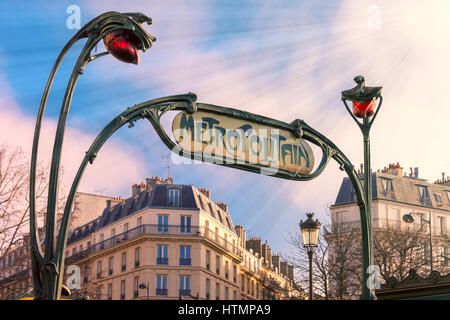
397, 251
14, 211
336, 261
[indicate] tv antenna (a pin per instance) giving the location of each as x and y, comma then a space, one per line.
167, 156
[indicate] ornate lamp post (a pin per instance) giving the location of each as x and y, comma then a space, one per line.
408, 218
364, 106
146, 286
310, 236
123, 35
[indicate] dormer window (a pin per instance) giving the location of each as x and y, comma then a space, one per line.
388, 188
438, 198
424, 195
174, 197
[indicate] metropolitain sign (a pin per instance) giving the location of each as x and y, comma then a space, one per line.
225, 139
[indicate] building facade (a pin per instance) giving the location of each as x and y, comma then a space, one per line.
394, 195
170, 241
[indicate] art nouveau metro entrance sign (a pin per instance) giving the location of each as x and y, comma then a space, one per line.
228, 140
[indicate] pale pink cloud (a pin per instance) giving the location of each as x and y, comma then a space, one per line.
116, 167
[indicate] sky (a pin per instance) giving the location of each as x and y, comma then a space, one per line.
282, 59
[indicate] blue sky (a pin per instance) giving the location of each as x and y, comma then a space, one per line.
284, 59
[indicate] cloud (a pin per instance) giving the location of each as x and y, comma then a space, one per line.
117, 166
293, 62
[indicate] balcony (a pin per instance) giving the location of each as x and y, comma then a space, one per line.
185, 262
161, 292
184, 292
164, 261
155, 229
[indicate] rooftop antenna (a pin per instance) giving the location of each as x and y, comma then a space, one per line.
167, 156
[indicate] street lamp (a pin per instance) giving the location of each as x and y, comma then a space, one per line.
363, 99
310, 236
123, 35
408, 218
145, 286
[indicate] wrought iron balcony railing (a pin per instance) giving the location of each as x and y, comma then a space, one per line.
154, 229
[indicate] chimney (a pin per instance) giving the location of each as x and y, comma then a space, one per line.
394, 169
137, 188
206, 192
416, 172
151, 182
255, 245
276, 260
284, 268
223, 206
290, 272
362, 168
240, 231
269, 256
108, 204
411, 172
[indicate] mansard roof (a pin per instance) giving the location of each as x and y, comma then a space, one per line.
157, 197
404, 190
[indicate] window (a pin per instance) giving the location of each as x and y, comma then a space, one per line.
448, 196
122, 290
424, 195
163, 223
234, 274
441, 226
226, 294
161, 285
110, 291
86, 274
113, 233
136, 287
226, 269
137, 254
99, 293
125, 231
185, 224
124, 261
211, 209
217, 291
208, 259
229, 223
101, 239
111, 266
201, 201
161, 254
140, 228
99, 269
388, 188
234, 295
81, 248
242, 283
207, 289
220, 216
174, 197
185, 255
438, 198
185, 286
218, 264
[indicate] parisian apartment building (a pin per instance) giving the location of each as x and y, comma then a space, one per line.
166, 241
397, 195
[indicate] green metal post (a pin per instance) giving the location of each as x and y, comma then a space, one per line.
48, 268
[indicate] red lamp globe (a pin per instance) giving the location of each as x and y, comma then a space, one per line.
121, 44
364, 109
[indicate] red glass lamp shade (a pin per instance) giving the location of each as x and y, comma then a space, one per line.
364, 109
121, 44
